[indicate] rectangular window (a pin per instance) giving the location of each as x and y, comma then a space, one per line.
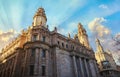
33, 52
44, 38
35, 37
43, 70
43, 53
62, 44
66, 46
31, 73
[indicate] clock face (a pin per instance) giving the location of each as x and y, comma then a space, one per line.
39, 20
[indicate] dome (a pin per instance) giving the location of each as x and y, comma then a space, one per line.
40, 12
40, 18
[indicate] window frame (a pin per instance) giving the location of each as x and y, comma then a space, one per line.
35, 37
33, 51
44, 39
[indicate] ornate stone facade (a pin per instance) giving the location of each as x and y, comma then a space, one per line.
107, 65
38, 52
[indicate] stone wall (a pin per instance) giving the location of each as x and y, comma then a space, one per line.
64, 63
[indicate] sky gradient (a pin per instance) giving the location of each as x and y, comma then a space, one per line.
101, 18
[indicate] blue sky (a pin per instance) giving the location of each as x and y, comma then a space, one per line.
101, 18
18, 14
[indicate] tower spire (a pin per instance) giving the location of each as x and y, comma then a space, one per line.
82, 36
99, 46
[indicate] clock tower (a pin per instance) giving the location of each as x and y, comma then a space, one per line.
40, 18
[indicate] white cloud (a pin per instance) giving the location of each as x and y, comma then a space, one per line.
103, 6
7, 37
97, 28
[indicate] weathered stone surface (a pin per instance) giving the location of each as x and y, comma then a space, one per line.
64, 63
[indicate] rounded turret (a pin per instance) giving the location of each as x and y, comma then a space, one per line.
40, 18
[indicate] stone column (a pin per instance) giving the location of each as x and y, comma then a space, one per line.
36, 72
47, 61
75, 66
81, 67
90, 73
26, 61
96, 68
40, 61
93, 68
86, 67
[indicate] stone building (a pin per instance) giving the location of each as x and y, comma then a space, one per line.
107, 65
118, 67
38, 52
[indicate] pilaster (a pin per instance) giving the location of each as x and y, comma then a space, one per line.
75, 67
